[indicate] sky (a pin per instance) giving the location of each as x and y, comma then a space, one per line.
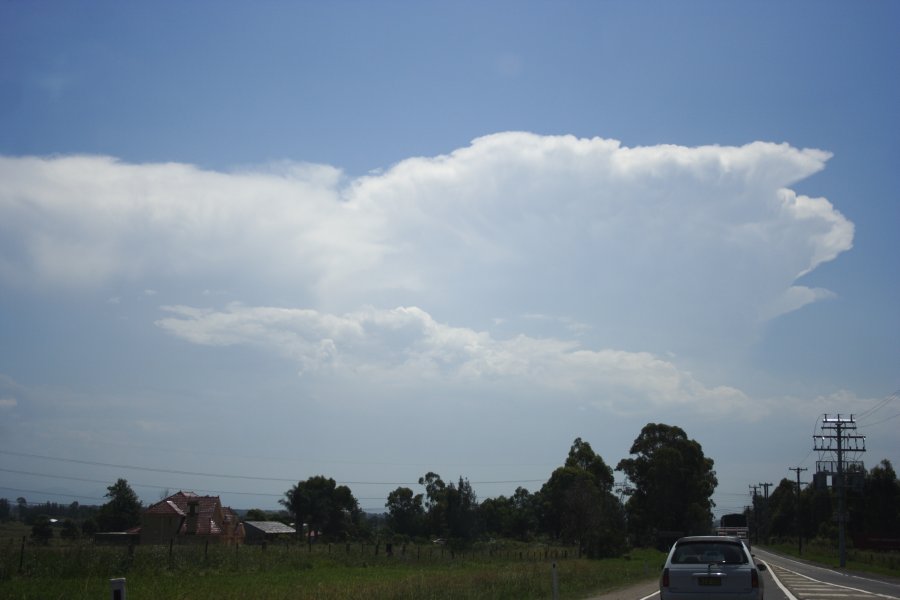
243, 244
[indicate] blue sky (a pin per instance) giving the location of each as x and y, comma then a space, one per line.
369, 240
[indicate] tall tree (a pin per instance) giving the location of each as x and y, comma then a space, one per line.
405, 511
781, 511
451, 510
672, 484
577, 504
461, 510
323, 506
123, 510
882, 513
435, 504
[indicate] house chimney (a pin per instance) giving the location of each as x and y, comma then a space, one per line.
192, 517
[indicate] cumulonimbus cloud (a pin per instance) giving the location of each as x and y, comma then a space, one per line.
654, 249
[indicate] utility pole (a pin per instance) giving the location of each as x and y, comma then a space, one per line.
755, 513
797, 511
835, 438
765, 510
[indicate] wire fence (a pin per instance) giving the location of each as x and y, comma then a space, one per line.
27, 558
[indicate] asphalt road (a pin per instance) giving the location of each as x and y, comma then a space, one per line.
790, 579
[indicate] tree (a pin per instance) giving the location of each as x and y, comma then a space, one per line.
22, 508
4, 510
323, 506
435, 504
256, 514
461, 511
123, 511
451, 510
89, 528
405, 511
69, 530
41, 531
781, 511
882, 512
672, 484
577, 504
513, 517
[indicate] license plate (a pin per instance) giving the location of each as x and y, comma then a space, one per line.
709, 581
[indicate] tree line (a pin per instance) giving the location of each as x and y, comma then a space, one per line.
873, 508
667, 494
672, 482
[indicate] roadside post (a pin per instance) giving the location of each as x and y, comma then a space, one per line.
117, 588
555, 583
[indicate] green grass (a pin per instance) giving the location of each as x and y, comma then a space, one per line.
826, 553
513, 572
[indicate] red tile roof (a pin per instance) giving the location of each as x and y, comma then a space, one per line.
205, 520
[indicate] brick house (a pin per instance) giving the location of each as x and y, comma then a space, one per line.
188, 518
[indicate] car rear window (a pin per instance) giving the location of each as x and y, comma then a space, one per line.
688, 553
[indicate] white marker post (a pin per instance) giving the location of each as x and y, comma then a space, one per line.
117, 588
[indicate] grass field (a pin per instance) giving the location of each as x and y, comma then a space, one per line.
505, 571
824, 553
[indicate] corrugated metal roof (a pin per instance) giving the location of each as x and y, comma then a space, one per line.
270, 526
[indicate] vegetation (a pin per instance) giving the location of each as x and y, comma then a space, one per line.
327, 508
123, 510
441, 541
825, 552
873, 505
322, 571
672, 484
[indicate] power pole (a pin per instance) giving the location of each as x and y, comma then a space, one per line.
765, 509
836, 439
797, 511
755, 513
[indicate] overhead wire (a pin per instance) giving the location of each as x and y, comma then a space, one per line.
881, 404
233, 476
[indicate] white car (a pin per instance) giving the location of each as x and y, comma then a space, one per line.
711, 568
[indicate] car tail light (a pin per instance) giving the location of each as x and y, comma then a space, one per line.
665, 579
754, 578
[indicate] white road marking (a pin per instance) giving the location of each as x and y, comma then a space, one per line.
786, 591
818, 590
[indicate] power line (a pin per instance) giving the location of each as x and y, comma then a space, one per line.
879, 422
881, 404
231, 476
47, 493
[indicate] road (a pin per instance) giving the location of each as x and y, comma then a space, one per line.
790, 579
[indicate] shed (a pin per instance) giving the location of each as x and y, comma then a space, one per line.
257, 532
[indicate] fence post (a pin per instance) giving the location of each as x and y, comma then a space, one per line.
22, 555
117, 588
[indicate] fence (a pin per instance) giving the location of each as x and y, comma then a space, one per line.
83, 558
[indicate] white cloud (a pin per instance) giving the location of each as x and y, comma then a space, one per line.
639, 252
407, 344
7, 403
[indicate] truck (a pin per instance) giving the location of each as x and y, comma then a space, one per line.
735, 525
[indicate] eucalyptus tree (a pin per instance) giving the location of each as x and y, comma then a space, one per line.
672, 483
